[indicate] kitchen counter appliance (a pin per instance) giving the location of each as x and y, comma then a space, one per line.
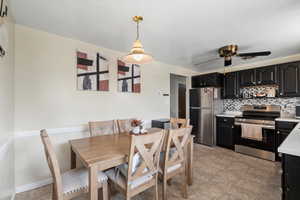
260, 117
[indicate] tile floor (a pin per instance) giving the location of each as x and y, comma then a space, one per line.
219, 174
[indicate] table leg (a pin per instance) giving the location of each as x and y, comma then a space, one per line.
190, 161
93, 189
73, 159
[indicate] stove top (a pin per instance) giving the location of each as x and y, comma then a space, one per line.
260, 112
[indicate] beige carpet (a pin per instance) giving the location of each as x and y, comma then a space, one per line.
219, 174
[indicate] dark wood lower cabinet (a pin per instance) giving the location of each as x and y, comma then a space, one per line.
290, 177
283, 129
225, 132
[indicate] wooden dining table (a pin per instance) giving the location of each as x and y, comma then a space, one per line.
107, 151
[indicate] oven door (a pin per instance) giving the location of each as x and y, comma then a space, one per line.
268, 142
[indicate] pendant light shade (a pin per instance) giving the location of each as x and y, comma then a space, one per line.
137, 54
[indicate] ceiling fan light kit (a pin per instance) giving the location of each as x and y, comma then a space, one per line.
227, 52
137, 53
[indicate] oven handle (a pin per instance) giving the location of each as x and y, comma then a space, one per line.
263, 126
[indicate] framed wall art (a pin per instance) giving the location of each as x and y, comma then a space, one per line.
129, 77
92, 71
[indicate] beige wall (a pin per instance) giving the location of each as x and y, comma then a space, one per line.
46, 97
7, 110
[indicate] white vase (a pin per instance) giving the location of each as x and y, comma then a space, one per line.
136, 130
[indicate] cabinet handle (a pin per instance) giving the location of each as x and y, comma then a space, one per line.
281, 93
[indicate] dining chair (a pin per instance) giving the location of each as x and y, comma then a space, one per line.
73, 182
174, 158
98, 128
141, 172
124, 125
179, 123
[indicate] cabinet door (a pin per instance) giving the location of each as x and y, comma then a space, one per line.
225, 133
195, 81
231, 89
289, 80
247, 78
291, 177
266, 75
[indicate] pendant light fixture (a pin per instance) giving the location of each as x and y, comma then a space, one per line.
137, 54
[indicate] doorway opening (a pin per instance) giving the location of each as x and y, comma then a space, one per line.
178, 96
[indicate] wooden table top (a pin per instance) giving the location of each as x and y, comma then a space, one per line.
104, 150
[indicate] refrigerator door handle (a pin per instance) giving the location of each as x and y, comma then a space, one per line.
195, 107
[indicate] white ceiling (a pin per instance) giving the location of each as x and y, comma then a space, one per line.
181, 32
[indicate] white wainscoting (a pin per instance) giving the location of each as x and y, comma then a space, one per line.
56, 132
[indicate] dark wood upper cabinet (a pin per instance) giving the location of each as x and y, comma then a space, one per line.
288, 77
247, 78
231, 86
207, 80
266, 75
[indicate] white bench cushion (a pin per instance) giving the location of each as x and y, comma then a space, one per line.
120, 180
136, 162
78, 179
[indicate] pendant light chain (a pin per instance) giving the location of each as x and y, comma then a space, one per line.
137, 30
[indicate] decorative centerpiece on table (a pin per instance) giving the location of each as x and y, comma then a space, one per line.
138, 127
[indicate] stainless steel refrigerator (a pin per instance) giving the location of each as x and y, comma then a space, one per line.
205, 104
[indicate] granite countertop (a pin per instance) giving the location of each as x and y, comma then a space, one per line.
288, 119
291, 145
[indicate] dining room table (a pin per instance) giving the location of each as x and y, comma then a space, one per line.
108, 151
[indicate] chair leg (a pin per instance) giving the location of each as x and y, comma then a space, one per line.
54, 193
184, 185
128, 197
104, 191
164, 188
169, 182
156, 188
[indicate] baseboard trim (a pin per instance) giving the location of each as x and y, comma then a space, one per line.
32, 186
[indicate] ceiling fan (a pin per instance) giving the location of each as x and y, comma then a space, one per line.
227, 52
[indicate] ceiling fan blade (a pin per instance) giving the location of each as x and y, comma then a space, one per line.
254, 54
207, 61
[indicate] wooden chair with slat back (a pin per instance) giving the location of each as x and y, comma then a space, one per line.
124, 125
141, 172
174, 158
73, 182
103, 128
179, 122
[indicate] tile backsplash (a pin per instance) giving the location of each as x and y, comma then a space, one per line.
287, 104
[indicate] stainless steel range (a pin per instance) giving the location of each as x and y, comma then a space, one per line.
255, 131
